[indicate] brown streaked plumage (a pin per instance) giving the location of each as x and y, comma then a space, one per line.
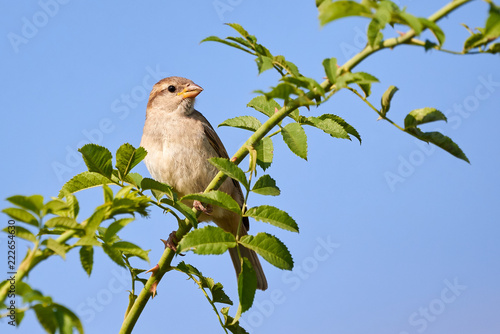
179, 141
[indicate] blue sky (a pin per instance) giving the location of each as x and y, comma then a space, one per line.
415, 255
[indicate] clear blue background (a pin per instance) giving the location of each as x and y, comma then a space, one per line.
394, 250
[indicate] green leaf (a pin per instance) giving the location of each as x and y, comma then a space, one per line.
223, 41
270, 248
266, 185
32, 203
87, 258
296, 139
327, 125
21, 215
235, 328
115, 227
46, 317
230, 169
94, 221
386, 99
422, 116
158, 188
265, 106
83, 181
127, 157
264, 63
239, 29
283, 91
207, 240
66, 222
347, 127
330, 65
23, 233
412, 21
274, 216
439, 140
357, 78
216, 197
131, 249
219, 296
366, 88
70, 322
434, 28
330, 11
114, 254
184, 209
98, 159
247, 285
108, 193
265, 151
243, 122
135, 179
56, 247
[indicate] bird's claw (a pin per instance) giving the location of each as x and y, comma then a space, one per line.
199, 206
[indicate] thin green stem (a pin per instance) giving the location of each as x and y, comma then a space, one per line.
275, 119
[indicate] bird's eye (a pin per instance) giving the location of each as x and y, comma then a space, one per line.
171, 89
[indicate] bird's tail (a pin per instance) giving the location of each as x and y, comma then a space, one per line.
254, 260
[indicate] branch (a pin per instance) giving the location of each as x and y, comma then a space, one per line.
275, 119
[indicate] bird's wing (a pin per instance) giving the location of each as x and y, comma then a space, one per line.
219, 148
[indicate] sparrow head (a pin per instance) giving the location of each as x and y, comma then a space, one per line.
174, 94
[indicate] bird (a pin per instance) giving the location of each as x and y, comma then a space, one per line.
179, 140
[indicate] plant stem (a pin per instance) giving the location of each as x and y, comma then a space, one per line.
275, 119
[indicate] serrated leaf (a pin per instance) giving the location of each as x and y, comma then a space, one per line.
115, 227
330, 11
283, 91
440, 140
22, 233
386, 99
21, 215
247, 285
160, 188
207, 240
243, 122
347, 127
422, 116
114, 254
129, 248
46, 318
270, 248
134, 178
223, 41
239, 29
216, 197
56, 247
434, 28
127, 157
230, 169
83, 181
94, 221
235, 327
274, 216
98, 159
327, 125
265, 106
87, 258
33, 203
330, 66
265, 152
366, 88
296, 139
55, 206
65, 222
266, 185
219, 296
264, 63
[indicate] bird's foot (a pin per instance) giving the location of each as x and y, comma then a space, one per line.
199, 206
171, 242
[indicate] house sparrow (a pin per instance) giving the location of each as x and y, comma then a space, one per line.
179, 141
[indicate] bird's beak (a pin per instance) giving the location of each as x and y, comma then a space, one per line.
190, 91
